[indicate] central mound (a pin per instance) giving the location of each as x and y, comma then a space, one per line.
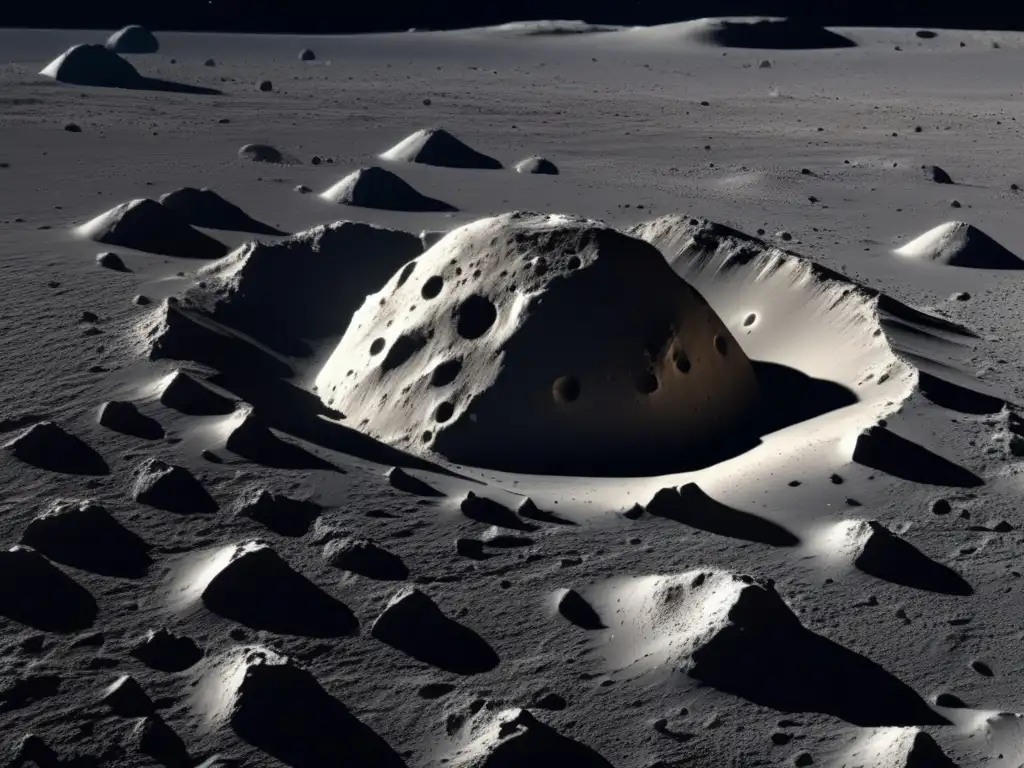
545, 344
133, 39
435, 146
959, 244
92, 65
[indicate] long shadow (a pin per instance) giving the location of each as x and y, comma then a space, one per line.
299, 413
790, 396
253, 440
792, 669
957, 398
691, 506
887, 452
887, 556
284, 711
90, 538
261, 591
38, 594
416, 626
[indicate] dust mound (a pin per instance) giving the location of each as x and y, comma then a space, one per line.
504, 328
879, 448
366, 558
253, 439
739, 636
252, 585
85, 535
403, 481
412, 623
281, 514
205, 208
133, 39
35, 592
899, 748
146, 225
960, 244
272, 703
167, 652
435, 146
936, 174
185, 393
92, 65
377, 187
304, 287
126, 698
516, 738
171, 488
264, 153
306, 55
537, 164
125, 417
46, 445
878, 551
574, 607
490, 512
760, 33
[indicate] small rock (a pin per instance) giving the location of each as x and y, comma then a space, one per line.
550, 701
72, 128
306, 55
209, 63
126, 698
954, 204
427, 102
803, 759
961, 296
111, 261
265, 85
941, 507
302, 189
141, 300
471, 548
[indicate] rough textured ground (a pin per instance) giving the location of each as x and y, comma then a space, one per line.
822, 144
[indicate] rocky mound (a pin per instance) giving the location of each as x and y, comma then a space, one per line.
183, 392
306, 55
537, 164
153, 737
133, 39
126, 698
490, 512
272, 703
145, 225
111, 261
575, 608
876, 550
48, 446
124, 417
35, 592
412, 623
377, 187
436, 146
85, 535
758, 33
205, 208
251, 584
166, 651
304, 287
171, 488
689, 505
92, 65
503, 328
365, 557
281, 514
960, 244
264, 153
514, 738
